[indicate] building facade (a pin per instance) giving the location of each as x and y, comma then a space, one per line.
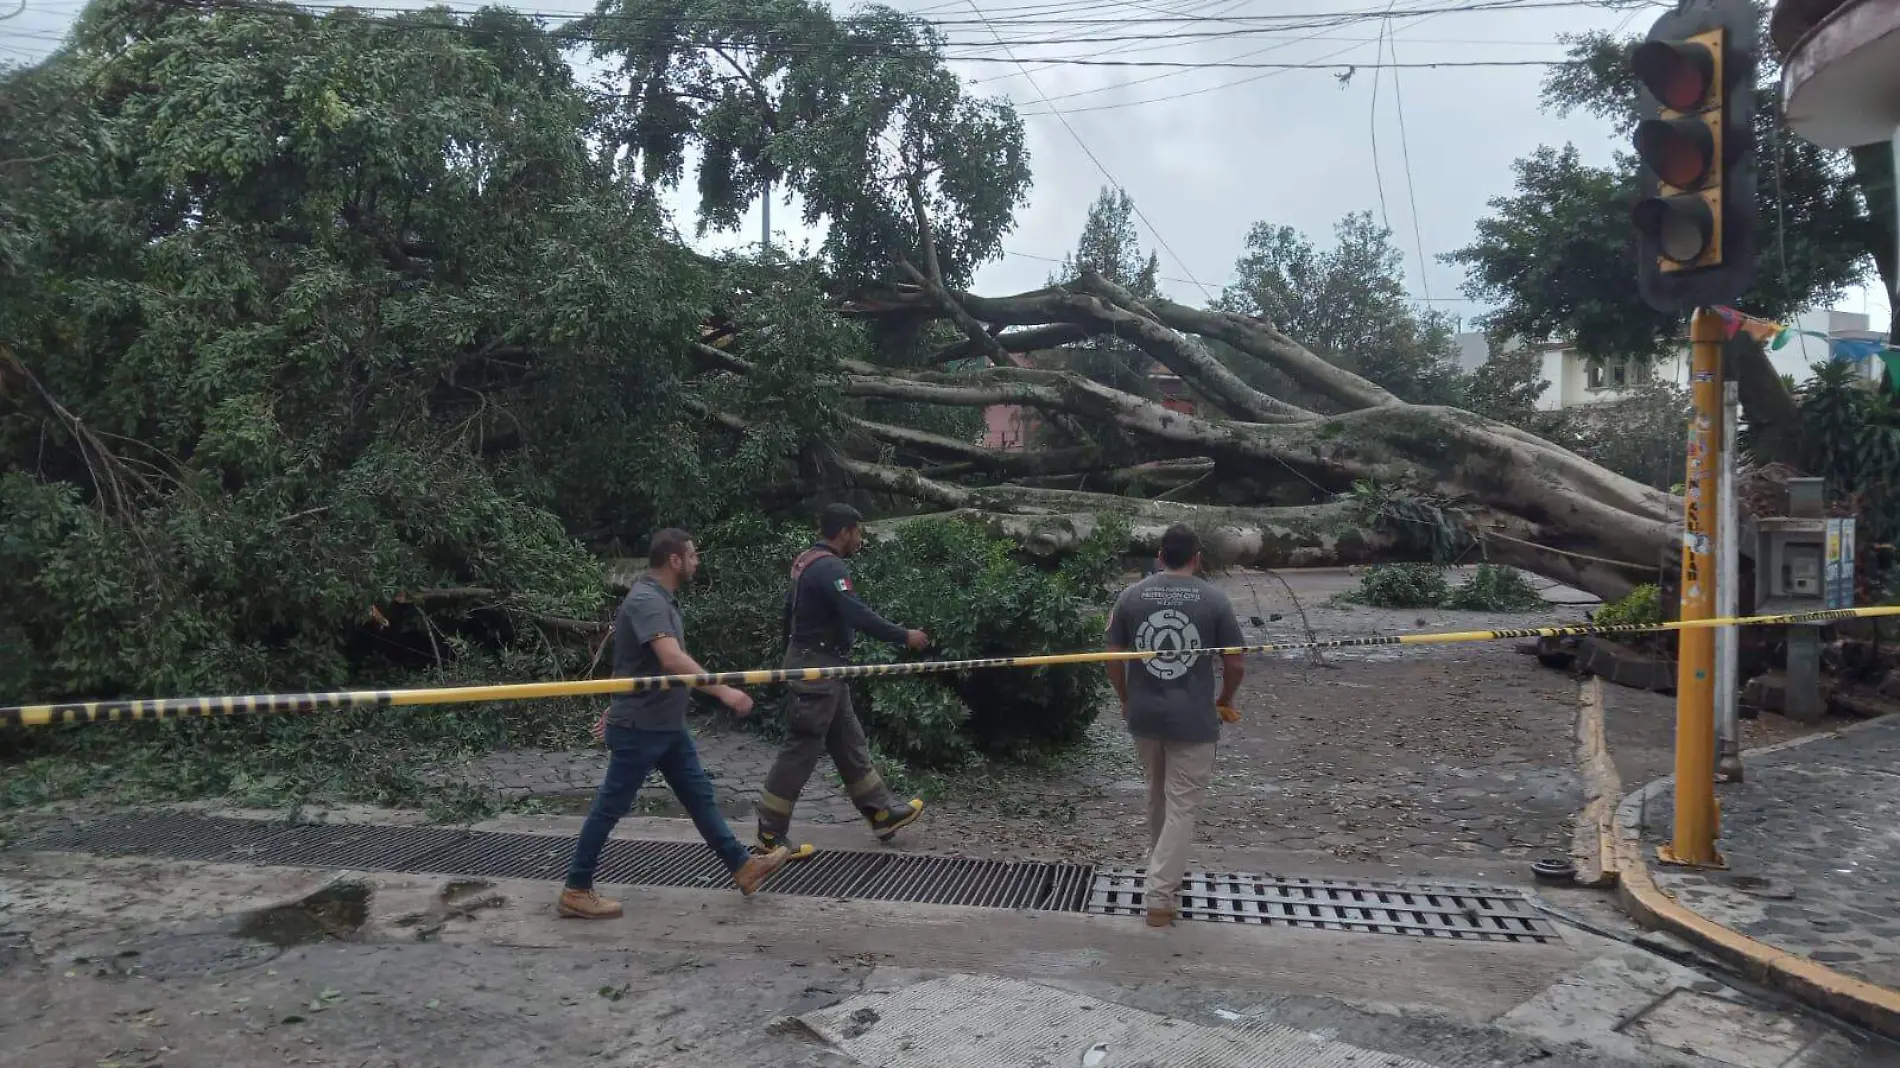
1574, 380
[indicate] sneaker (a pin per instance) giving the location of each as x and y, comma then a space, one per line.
1161, 917
887, 822
768, 842
587, 905
759, 869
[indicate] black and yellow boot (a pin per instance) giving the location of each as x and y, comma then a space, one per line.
886, 822
768, 842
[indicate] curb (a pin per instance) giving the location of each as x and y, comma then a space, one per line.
1856, 1000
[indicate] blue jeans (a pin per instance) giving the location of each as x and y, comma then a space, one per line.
635, 753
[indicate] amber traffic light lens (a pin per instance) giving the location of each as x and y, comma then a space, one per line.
1680, 151
1678, 75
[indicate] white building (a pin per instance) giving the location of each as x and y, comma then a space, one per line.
1573, 380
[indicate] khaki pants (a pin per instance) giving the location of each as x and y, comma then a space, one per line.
1178, 773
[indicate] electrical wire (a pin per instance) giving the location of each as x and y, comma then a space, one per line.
1411, 189
1372, 125
1083, 145
1235, 83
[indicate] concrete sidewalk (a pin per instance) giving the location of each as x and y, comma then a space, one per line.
1808, 901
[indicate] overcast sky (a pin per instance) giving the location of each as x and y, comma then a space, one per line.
1207, 152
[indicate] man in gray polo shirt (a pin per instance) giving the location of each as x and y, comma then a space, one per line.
1168, 700
648, 730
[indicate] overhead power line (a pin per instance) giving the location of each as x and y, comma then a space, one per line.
873, 50
1083, 145
990, 23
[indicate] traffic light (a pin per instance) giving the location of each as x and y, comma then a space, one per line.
1695, 220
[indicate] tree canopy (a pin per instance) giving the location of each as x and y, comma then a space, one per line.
1348, 304
844, 111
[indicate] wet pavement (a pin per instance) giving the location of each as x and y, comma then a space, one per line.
1395, 756
1812, 841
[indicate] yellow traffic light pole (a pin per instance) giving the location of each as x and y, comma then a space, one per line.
1696, 823
1696, 248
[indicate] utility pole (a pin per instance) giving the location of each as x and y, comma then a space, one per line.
1696, 822
1728, 592
1696, 249
765, 219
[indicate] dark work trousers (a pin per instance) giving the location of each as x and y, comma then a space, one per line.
820, 721
635, 753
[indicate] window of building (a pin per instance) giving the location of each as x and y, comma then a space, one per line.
1614, 376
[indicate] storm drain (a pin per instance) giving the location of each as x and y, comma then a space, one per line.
1036, 885
1421, 909
1486, 914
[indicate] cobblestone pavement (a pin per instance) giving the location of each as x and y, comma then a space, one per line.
1812, 840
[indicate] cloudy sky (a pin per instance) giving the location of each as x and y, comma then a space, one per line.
1207, 151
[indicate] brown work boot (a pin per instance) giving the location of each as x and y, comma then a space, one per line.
587, 905
759, 869
1162, 917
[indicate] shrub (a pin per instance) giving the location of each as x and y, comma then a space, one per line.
1496, 589
1642, 608
1490, 589
1401, 586
974, 595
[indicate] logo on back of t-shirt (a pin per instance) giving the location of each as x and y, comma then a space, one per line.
1175, 640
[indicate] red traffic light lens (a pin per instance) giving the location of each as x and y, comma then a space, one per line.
1680, 151
1678, 75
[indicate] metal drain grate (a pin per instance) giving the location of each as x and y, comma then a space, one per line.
1471, 913
1036, 885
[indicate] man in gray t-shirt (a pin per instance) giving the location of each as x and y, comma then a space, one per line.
647, 730
1168, 700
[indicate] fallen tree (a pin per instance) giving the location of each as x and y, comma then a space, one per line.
1268, 482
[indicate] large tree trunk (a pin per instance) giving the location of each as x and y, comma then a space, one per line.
1231, 471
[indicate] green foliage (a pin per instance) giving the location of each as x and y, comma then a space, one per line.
1401, 586
1642, 436
1490, 588
1851, 437
407, 758
1425, 523
1642, 607
1347, 304
292, 361
1506, 387
974, 596
1110, 245
840, 110
1495, 589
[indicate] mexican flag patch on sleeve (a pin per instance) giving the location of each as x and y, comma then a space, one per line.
843, 584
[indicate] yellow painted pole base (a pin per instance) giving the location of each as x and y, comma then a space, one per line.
1667, 855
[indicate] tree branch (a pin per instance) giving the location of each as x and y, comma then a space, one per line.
1275, 349
1126, 316
1031, 340
1407, 445
1009, 463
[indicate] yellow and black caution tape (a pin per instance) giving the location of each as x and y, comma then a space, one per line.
273, 703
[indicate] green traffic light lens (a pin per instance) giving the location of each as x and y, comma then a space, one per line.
1681, 238
1681, 226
